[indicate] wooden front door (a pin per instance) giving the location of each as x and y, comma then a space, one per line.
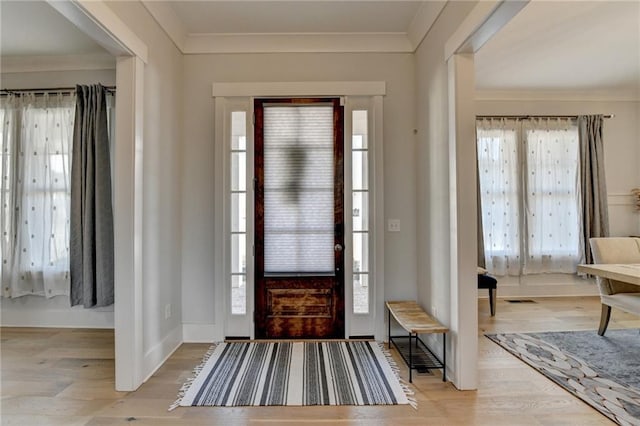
299, 218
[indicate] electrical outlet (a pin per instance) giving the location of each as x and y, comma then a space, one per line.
167, 311
394, 225
434, 311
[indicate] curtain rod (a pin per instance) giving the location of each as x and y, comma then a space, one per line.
536, 116
110, 89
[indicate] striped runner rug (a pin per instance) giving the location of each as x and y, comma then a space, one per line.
295, 373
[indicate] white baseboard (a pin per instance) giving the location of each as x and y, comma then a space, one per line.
543, 290
543, 285
201, 333
156, 356
33, 311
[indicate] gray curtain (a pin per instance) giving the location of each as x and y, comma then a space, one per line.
595, 215
91, 232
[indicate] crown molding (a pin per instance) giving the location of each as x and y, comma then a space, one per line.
15, 64
309, 88
198, 43
298, 43
618, 95
423, 20
168, 21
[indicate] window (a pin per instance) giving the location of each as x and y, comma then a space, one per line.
238, 213
528, 184
37, 137
360, 208
299, 188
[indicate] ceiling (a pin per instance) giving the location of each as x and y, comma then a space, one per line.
565, 45
269, 26
294, 17
549, 45
33, 28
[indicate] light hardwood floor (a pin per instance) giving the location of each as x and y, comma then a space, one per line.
65, 377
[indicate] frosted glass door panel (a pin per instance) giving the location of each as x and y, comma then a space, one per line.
298, 189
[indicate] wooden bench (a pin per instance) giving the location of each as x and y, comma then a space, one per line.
411, 317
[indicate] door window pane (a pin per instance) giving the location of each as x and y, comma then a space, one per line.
238, 253
238, 294
360, 252
238, 212
360, 211
360, 129
361, 293
360, 168
238, 130
298, 188
238, 171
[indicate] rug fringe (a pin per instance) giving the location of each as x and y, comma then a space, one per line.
409, 393
187, 384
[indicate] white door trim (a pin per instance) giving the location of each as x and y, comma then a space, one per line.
228, 94
100, 23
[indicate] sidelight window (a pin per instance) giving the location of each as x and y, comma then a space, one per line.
238, 213
360, 210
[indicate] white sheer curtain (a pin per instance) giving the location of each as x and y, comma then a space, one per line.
36, 152
528, 171
552, 196
499, 174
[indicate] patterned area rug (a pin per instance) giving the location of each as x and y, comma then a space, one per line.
602, 371
295, 373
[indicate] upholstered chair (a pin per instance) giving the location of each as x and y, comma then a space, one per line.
616, 294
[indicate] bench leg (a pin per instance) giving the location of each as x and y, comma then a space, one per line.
444, 357
389, 329
410, 361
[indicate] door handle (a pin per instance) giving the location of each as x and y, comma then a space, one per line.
338, 247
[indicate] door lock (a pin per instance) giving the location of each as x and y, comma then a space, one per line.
338, 247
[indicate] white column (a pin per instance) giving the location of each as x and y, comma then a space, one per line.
463, 223
128, 193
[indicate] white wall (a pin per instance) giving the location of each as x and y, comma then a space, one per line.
434, 280
51, 78
34, 311
162, 182
200, 71
621, 139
